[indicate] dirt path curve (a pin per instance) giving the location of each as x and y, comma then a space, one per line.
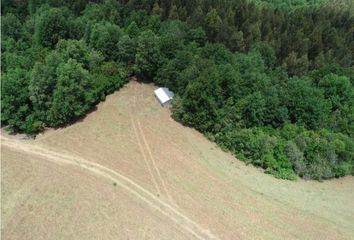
129, 185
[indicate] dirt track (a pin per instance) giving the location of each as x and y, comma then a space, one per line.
124, 182
195, 190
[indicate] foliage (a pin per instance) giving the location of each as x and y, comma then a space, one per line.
42, 84
246, 105
306, 34
290, 4
52, 25
104, 37
11, 26
71, 96
15, 104
272, 83
148, 54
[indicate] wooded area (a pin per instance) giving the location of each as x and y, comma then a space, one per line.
273, 85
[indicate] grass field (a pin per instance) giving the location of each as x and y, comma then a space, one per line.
129, 171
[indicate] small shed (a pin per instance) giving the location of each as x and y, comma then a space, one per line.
164, 96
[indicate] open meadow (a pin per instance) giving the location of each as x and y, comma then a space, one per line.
129, 171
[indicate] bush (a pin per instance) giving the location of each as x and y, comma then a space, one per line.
109, 79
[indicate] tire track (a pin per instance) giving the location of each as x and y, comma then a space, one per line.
135, 129
151, 164
178, 148
154, 163
129, 185
145, 157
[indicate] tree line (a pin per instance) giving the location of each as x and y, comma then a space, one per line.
265, 102
304, 38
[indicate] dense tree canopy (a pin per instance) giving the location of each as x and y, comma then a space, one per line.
52, 25
271, 81
71, 97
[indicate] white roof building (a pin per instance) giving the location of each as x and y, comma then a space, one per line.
164, 96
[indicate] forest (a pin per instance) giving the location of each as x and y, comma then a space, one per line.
270, 82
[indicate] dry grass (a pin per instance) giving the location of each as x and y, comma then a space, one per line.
190, 188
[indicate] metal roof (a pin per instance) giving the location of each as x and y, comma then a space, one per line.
163, 95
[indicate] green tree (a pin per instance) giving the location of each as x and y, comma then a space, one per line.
15, 54
202, 98
237, 42
320, 60
173, 13
93, 12
307, 105
51, 26
197, 18
15, 103
11, 27
267, 53
253, 109
182, 13
254, 35
109, 10
148, 56
230, 17
338, 90
33, 5
133, 30
316, 45
156, 10
197, 35
75, 49
44, 75
112, 11
127, 49
104, 37
42, 84
213, 23
71, 98
296, 65
154, 23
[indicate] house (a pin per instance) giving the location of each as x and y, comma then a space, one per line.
164, 96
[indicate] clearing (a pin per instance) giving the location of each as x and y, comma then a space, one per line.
129, 171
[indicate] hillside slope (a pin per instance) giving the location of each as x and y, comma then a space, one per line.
129, 171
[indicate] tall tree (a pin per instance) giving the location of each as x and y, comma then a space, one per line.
15, 103
173, 13
42, 84
104, 37
213, 23
132, 29
11, 27
72, 93
156, 10
148, 56
237, 42
52, 25
296, 65
197, 18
